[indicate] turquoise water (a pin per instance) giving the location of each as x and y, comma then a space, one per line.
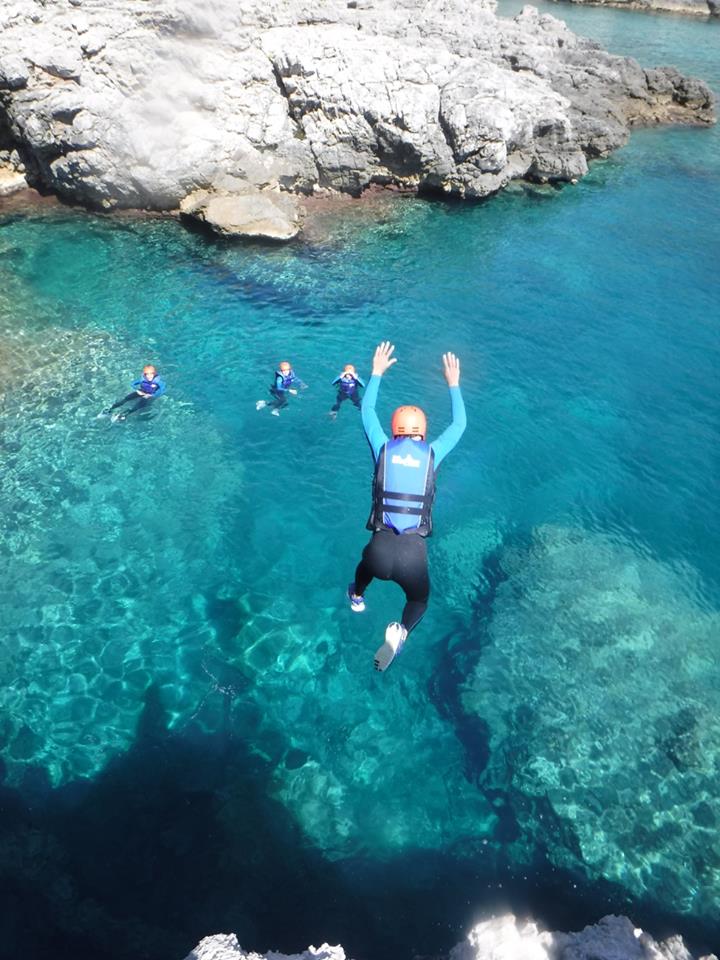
181, 679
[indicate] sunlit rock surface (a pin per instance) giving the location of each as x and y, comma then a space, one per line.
120, 104
226, 947
248, 213
501, 938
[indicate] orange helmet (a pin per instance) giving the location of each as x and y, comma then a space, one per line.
408, 422
349, 368
149, 371
284, 367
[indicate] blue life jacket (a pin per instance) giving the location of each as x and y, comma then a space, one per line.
404, 487
287, 379
348, 387
152, 388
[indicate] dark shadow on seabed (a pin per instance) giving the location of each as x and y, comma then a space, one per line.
178, 838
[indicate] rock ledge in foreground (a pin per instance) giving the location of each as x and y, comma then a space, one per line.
500, 938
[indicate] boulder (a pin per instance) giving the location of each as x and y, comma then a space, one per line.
11, 181
254, 214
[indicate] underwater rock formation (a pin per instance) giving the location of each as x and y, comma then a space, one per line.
599, 695
501, 938
115, 105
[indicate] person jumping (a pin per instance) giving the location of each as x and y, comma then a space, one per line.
403, 494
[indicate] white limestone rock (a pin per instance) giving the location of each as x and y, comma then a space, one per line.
221, 946
226, 947
11, 181
612, 938
253, 214
14, 73
500, 938
503, 938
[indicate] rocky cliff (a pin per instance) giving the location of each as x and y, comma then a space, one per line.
115, 103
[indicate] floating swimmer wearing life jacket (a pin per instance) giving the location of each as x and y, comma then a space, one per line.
348, 384
146, 388
403, 495
286, 381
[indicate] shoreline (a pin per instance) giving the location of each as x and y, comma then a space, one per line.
642, 6
322, 212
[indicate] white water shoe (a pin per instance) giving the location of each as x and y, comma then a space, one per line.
260, 404
395, 637
357, 603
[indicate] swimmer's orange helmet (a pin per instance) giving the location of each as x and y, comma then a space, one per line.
349, 368
408, 422
149, 371
284, 367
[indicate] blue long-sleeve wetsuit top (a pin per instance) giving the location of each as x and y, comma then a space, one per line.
441, 447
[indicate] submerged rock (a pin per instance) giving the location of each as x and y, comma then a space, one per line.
610, 760
126, 106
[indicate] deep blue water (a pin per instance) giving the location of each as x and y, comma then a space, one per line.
192, 734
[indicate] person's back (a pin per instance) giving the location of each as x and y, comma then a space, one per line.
403, 495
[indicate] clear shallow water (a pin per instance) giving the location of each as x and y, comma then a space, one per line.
188, 705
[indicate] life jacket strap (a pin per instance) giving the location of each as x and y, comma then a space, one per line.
392, 508
415, 497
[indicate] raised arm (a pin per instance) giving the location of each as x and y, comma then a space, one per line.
382, 361
449, 438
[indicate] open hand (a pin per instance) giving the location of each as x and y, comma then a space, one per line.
383, 358
451, 369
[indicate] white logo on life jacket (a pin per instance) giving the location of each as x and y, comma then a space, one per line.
406, 461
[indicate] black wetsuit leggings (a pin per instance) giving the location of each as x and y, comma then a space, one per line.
401, 558
345, 396
280, 398
143, 403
